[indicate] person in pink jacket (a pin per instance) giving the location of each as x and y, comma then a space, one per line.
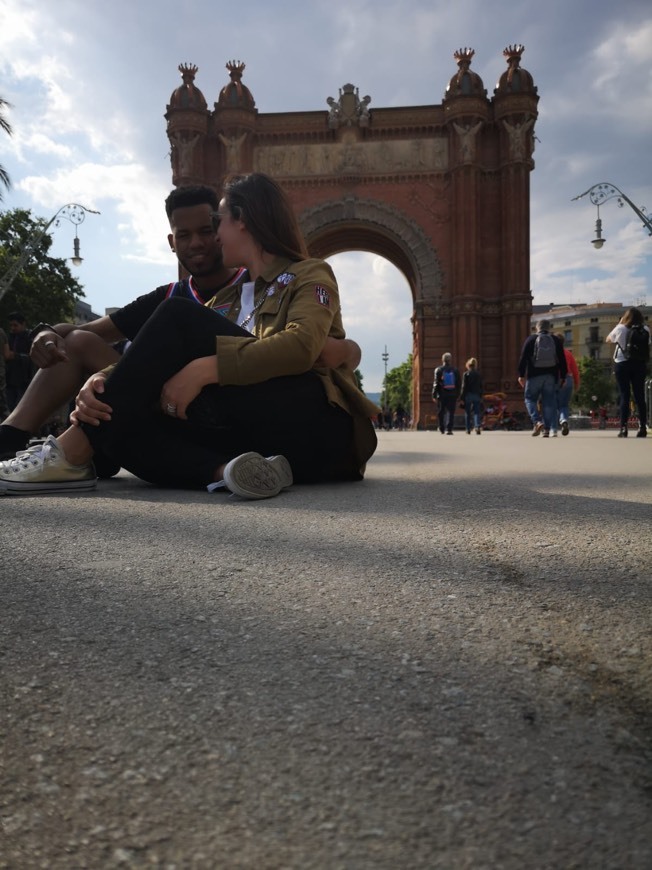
565, 391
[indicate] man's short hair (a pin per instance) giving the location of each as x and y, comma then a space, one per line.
17, 316
543, 326
189, 195
446, 357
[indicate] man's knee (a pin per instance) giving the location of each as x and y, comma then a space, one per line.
89, 350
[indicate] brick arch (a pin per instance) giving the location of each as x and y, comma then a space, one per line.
354, 224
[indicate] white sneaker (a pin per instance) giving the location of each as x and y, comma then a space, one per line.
251, 475
44, 468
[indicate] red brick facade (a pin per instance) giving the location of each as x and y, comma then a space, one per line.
440, 191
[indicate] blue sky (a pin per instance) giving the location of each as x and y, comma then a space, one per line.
90, 81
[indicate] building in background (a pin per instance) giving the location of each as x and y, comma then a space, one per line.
83, 313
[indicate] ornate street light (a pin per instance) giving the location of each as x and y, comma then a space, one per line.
73, 212
385, 357
603, 192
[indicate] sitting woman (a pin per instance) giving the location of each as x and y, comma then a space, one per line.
240, 400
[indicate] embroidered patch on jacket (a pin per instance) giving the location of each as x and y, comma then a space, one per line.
284, 279
323, 296
222, 309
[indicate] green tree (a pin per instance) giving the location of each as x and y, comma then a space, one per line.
359, 378
398, 386
596, 381
44, 289
5, 181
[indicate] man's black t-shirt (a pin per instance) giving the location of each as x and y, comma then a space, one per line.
131, 318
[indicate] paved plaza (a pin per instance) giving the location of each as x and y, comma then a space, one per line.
447, 665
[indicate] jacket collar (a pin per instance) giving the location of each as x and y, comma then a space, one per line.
275, 268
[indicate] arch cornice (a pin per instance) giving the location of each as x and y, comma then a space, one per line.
389, 223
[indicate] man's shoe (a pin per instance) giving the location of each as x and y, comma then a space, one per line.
546, 433
564, 427
478, 431
44, 468
623, 432
538, 428
251, 475
553, 433
642, 432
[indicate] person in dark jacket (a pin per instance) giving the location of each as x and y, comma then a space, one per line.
541, 371
446, 389
471, 395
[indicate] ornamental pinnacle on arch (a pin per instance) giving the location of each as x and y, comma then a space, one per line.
188, 72
235, 68
513, 54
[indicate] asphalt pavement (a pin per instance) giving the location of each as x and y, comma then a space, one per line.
447, 665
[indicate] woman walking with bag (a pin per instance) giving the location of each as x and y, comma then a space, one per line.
471, 395
632, 339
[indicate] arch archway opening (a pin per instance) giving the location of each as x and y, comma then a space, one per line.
377, 309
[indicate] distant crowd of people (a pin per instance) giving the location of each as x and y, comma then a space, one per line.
549, 375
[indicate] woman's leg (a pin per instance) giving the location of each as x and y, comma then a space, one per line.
468, 411
621, 371
288, 415
476, 412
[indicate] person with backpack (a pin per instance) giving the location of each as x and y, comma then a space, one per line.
631, 356
445, 390
542, 369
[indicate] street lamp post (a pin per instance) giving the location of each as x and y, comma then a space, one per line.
385, 357
73, 212
601, 193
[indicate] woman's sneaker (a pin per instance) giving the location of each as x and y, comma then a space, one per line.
44, 468
251, 475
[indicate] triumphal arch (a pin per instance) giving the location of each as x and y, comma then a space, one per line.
441, 191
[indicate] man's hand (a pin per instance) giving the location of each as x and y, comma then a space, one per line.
88, 408
48, 349
521, 381
339, 351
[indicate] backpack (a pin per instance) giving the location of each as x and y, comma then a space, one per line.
638, 344
545, 352
448, 379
